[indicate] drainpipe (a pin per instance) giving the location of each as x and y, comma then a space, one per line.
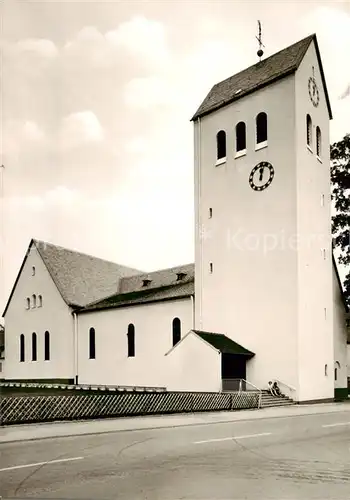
75, 320
193, 312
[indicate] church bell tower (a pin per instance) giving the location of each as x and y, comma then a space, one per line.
263, 256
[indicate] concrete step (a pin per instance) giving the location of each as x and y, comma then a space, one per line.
276, 403
267, 400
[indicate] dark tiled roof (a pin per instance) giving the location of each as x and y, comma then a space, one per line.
259, 75
223, 344
165, 284
157, 279
81, 278
181, 289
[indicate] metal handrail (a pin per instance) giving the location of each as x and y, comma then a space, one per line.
283, 383
240, 383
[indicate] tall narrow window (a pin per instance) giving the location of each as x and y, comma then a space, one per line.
176, 331
221, 144
28, 303
33, 271
309, 130
40, 301
261, 128
210, 267
318, 141
21, 348
92, 344
131, 341
241, 142
33, 300
34, 347
47, 346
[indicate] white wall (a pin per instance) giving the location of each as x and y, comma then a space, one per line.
340, 338
315, 301
153, 339
193, 365
54, 316
251, 296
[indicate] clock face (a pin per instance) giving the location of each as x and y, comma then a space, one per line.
313, 91
261, 176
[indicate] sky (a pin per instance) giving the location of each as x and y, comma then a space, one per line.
96, 101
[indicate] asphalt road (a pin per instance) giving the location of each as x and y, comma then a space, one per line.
295, 458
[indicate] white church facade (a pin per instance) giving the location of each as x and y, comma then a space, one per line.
263, 299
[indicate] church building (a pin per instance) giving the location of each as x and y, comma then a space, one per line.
263, 300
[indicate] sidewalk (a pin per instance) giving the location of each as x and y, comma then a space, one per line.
30, 432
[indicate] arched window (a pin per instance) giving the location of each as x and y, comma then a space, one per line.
131, 340
92, 344
318, 141
309, 130
34, 300
241, 143
261, 128
28, 303
221, 144
34, 347
47, 346
21, 348
176, 331
40, 299
33, 271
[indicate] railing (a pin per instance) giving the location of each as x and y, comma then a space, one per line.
286, 389
240, 385
78, 406
83, 387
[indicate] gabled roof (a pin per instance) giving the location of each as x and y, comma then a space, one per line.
166, 284
223, 344
80, 278
261, 74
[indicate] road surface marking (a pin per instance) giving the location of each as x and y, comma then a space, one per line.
233, 438
41, 463
336, 425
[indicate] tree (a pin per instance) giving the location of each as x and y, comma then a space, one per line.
340, 177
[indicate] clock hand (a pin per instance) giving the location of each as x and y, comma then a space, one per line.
261, 172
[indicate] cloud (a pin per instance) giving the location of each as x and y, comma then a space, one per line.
42, 47
346, 93
141, 36
81, 128
21, 136
146, 93
32, 131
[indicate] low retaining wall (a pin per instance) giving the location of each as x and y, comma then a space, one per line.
31, 409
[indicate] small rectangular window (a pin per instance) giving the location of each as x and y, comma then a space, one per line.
210, 267
210, 213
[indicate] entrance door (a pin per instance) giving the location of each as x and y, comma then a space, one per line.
233, 368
